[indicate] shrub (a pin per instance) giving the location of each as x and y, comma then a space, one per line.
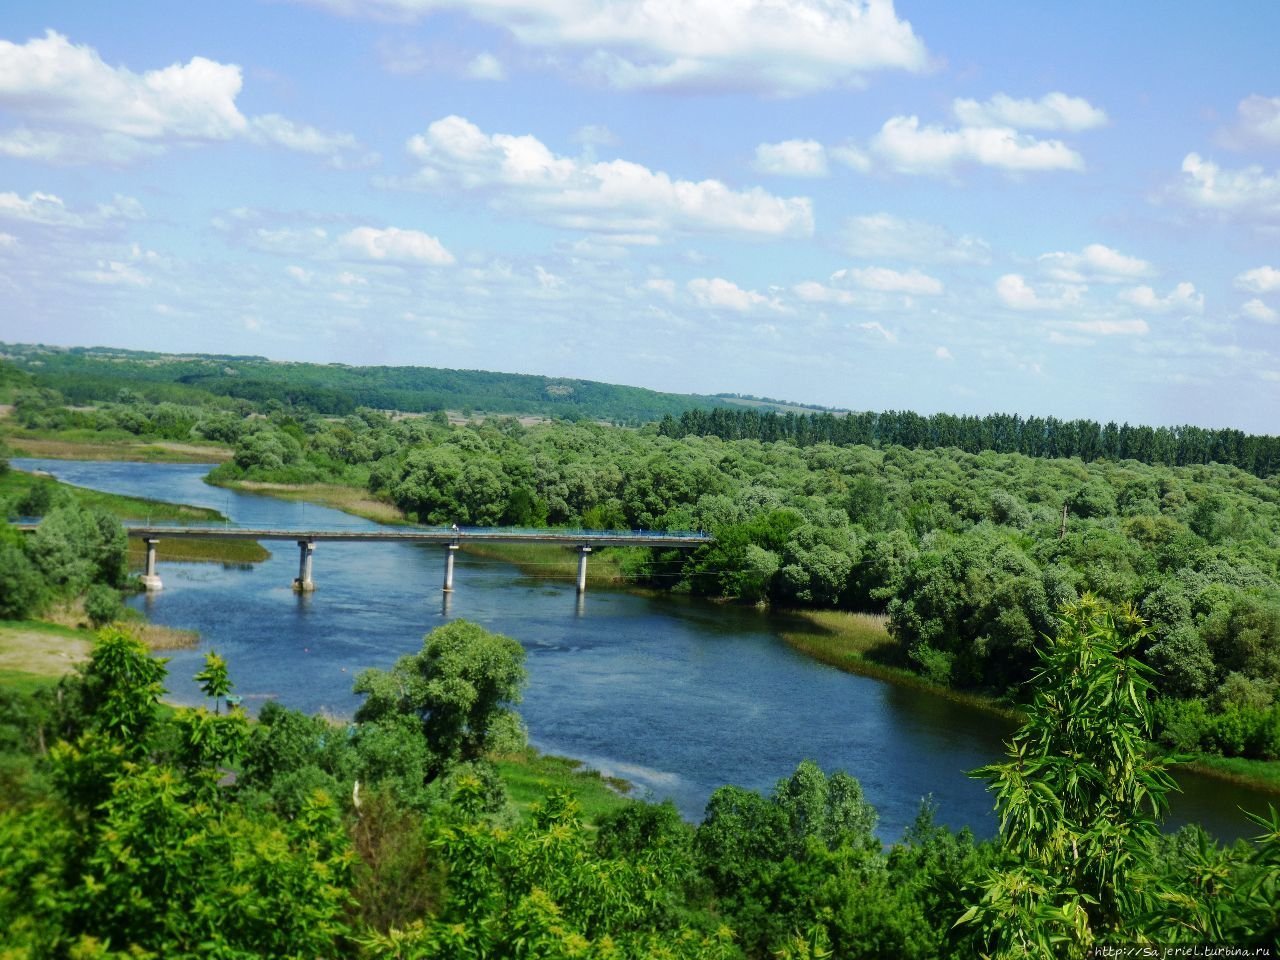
102, 604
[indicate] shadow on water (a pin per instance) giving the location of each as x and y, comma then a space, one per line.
676, 695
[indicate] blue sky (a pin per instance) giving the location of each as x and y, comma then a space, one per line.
1068, 209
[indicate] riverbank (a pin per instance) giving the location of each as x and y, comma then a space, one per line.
352, 500
531, 775
860, 643
84, 445
35, 653
18, 485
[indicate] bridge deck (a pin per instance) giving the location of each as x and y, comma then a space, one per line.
568, 538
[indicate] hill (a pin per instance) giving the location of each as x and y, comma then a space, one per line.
91, 374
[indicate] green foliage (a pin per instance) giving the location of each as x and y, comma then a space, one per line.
214, 679
22, 587
74, 547
800, 873
456, 690
122, 685
102, 604
1079, 798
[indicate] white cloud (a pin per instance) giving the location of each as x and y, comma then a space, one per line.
1257, 123
78, 109
1094, 263
394, 245
1110, 328
810, 291
885, 280
37, 207
1249, 192
1014, 291
300, 274
116, 273
1259, 280
885, 236
794, 158
724, 294
906, 147
942, 353
853, 157
661, 285
275, 129
1255, 309
871, 326
485, 66
1053, 111
776, 47
1183, 298
616, 197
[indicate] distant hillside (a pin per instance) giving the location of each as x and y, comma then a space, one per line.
88, 374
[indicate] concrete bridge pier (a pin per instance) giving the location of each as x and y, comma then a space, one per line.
150, 581
304, 583
449, 550
583, 551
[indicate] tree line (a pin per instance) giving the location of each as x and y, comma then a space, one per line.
1001, 433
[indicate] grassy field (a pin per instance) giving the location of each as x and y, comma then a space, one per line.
531, 775
34, 654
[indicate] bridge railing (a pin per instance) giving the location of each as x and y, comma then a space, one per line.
411, 528
461, 532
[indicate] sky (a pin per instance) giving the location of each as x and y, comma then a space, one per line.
996, 206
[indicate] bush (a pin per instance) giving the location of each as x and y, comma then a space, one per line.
22, 588
102, 604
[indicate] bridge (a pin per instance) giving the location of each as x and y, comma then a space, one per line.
450, 538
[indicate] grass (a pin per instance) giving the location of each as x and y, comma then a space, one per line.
199, 551
530, 776
34, 654
552, 562
91, 445
1263, 774
70, 615
351, 500
860, 643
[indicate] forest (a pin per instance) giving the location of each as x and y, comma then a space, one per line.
968, 554
134, 830
1115, 603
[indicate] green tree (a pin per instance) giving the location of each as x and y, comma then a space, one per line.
1080, 799
102, 604
457, 690
214, 679
22, 587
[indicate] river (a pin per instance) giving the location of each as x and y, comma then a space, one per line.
678, 696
